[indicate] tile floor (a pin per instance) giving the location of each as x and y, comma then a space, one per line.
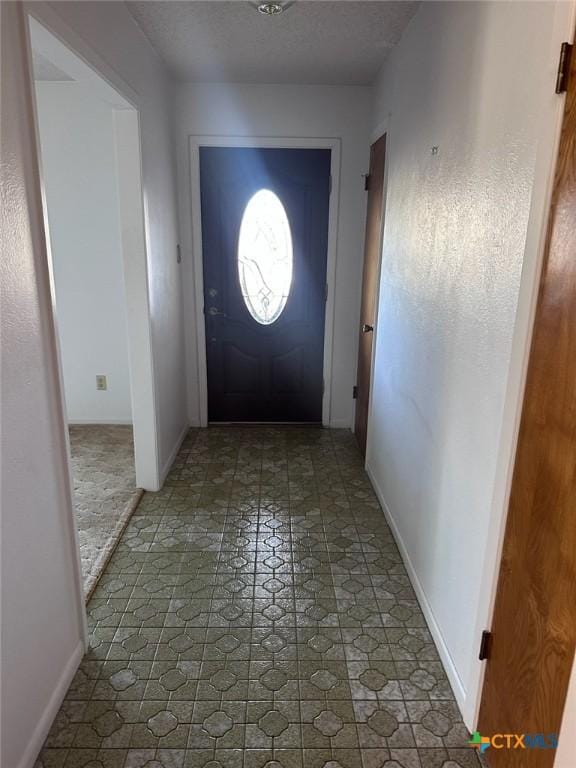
257, 613
105, 491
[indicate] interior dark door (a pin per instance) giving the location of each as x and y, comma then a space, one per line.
264, 331
372, 248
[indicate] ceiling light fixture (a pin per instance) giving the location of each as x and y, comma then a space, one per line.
270, 9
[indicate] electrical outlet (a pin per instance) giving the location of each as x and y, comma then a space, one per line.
101, 382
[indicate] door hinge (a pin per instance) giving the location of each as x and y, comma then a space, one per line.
563, 68
329, 185
367, 178
326, 292
354, 392
485, 644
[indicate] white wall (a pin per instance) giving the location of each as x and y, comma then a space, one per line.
42, 604
566, 754
81, 186
476, 80
288, 112
107, 37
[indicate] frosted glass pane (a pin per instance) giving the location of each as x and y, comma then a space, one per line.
265, 257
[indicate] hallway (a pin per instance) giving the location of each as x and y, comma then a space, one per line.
257, 612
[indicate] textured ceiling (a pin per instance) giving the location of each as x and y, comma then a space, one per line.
313, 41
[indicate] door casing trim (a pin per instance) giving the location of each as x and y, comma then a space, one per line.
198, 385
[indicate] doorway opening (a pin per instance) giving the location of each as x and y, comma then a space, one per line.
265, 223
370, 281
90, 157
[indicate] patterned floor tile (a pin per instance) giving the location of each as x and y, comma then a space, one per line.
257, 614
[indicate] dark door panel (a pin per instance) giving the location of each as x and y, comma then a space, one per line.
264, 372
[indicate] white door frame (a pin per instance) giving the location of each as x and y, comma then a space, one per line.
263, 142
51, 37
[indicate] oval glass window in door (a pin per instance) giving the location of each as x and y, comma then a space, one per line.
265, 257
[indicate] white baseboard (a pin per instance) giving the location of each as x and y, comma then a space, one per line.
453, 676
170, 460
340, 424
43, 726
99, 423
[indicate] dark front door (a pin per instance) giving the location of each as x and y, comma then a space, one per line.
372, 249
264, 241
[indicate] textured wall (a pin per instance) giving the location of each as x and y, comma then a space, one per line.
42, 602
467, 78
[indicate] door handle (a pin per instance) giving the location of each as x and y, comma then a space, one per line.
367, 328
215, 311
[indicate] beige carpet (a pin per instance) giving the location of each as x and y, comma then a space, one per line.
105, 492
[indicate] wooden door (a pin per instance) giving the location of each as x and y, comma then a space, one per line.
372, 251
534, 622
265, 238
